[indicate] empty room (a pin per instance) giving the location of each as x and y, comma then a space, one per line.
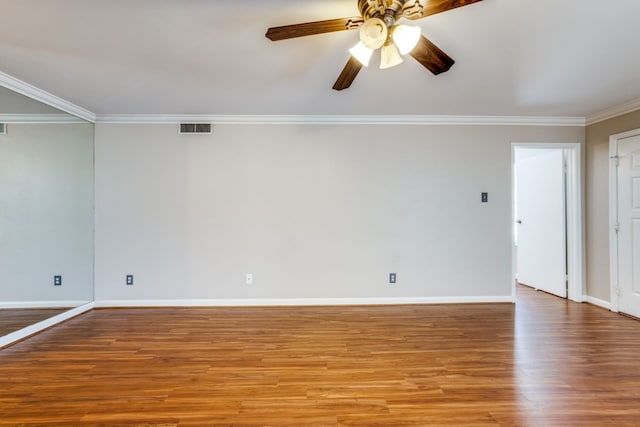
319, 213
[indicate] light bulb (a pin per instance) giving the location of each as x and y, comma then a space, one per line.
361, 53
406, 37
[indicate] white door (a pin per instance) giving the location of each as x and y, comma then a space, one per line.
540, 214
629, 225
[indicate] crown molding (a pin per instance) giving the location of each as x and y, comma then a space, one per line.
45, 97
39, 118
342, 120
612, 112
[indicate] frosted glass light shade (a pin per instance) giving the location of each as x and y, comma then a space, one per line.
406, 37
390, 56
361, 53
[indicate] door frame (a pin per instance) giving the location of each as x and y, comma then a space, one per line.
574, 215
613, 215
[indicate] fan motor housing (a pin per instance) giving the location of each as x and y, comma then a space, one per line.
391, 8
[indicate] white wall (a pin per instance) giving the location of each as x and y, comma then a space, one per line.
312, 211
46, 213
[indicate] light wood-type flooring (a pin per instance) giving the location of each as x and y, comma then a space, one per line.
13, 319
541, 362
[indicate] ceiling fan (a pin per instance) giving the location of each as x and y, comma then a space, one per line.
379, 30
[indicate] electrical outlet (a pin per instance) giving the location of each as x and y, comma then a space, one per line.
484, 198
129, 279
392, 277
248, 279
57, 280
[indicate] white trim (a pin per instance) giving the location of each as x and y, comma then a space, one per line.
41, 304
575, 209
575, 226
610, 113
597, 301
343, 120
297, 301
40, 326
39, 118
45, 97
613, 214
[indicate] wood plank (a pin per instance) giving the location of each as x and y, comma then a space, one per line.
431, 56
348, 74
433, 7
13, 319
544, 361
312, 28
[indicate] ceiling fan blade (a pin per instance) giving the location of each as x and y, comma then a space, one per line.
431, 56
311, 28
348, 74
433, 7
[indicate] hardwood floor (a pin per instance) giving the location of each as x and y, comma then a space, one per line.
542, 362
13, 319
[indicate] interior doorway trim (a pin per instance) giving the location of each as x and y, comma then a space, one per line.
575, 209
613, 215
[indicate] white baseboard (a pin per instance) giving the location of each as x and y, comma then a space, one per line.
297, 301
40, 326
41, 304
598, 302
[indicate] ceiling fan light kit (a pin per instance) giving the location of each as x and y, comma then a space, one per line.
379, 30
390, 56
362, 53
406, 37
373, 33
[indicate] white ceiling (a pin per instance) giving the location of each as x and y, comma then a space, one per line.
513, 58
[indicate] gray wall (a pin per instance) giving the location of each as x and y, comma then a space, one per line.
46, 213
597, 200
14, 103
311, 211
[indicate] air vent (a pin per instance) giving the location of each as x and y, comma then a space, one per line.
195, 128
3, 128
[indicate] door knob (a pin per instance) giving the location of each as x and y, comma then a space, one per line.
519, 221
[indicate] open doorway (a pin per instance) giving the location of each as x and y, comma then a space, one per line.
547, 218
540, 211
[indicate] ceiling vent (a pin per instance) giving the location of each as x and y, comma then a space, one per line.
3, 128
195, 128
